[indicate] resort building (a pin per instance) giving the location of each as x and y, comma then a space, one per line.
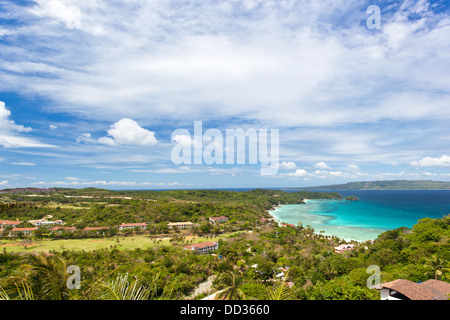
25, 231
9, 223
401, 289
288, 225
45, 223
344, 247
125, 226
203, 247
216, 220
180, 225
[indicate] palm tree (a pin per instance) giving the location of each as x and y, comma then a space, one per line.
44, 277
436, 267
22, 293
280, 291
124, 288
229, 287
48, 276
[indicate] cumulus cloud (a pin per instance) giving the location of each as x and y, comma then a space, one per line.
298, 173
322, 166
124, 132
288, 165
10, 132
7, 125
443, 161
129, 132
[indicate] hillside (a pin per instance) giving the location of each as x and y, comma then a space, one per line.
385, 185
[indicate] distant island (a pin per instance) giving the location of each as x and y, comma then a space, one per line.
385, 185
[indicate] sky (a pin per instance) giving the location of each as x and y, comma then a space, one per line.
97, 93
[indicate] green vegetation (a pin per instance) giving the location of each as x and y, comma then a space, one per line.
255, 259
387, 185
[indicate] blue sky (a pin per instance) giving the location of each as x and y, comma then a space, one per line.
91, 91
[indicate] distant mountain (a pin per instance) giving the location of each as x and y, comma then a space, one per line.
386, 185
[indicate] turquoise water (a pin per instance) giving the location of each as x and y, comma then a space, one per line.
374, 213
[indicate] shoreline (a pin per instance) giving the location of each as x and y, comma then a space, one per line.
319, 222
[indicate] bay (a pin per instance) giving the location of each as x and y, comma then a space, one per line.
376, 211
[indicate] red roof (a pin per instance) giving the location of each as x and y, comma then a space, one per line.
219, 218
24, 229
201, 245
9, 222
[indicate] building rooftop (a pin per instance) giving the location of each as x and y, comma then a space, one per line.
428, 290
201, 245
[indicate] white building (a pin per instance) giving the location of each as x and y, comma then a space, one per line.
125, 226
203, 247
45, 223
344, 247
216, 220
180, 225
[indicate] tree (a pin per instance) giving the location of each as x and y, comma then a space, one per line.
48, 276
122, 289
281, 291
228, 284
436, 267
26, 243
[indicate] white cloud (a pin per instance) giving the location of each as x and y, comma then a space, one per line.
67, 14
7, 125
85, 138
2, 183
326, 174
352, 167
106, 140
298, 173
23, 163
321, 165
304, 56
10, 132
124, 132
129, 132
183, 139
53, 127
105, 183
443, 161
288, 165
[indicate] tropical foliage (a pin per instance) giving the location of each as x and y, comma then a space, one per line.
262, 261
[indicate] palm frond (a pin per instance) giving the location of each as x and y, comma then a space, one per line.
280, 291
122, 289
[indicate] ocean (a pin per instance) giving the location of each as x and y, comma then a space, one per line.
376, 211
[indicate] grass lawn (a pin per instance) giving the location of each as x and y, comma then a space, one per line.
66, 206
132, 242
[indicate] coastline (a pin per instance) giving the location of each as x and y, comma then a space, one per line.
304, 213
